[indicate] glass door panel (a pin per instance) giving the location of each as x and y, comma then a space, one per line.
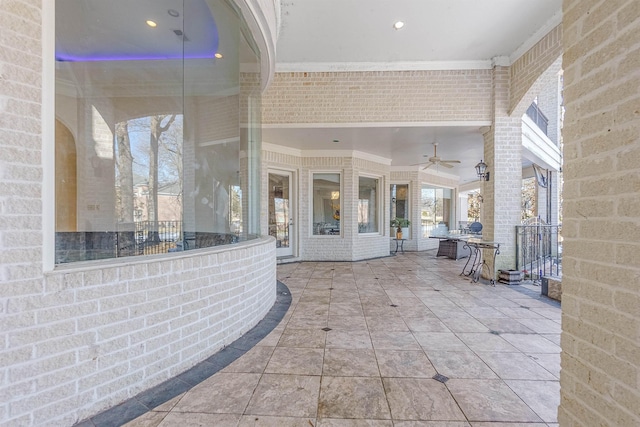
280, 212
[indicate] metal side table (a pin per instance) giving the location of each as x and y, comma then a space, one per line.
476, 263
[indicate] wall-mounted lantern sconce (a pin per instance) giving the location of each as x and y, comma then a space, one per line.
481, 170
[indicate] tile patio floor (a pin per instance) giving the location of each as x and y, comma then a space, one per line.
364, 344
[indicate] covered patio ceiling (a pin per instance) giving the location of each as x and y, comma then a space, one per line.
352, 35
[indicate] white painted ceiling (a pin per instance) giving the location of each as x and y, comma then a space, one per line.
338, 35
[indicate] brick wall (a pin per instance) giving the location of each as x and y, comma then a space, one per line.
527, 69
366, 246
549, 99
20, 150
415, 179
503, 155
349, 245
85, 338
600, 378
378, 96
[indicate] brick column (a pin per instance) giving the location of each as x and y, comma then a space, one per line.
502, 193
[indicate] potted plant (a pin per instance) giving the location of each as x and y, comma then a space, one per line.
401, 225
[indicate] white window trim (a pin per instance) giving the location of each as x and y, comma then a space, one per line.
392, 233
48, 123
310, 192
454, 200
379, 203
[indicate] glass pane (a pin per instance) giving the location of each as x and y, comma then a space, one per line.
157, 127
399, 201
326, 204
436, 210
368, 205
279, 209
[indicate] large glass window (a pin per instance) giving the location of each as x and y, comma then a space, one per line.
399, 203
436, 209
326, 203
368, 204
157, 118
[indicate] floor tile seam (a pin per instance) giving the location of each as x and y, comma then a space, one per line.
509, 422
466, 418
528, 406
477, 353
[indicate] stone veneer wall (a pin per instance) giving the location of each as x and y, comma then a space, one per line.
600, 377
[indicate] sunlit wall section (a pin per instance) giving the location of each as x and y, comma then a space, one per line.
157, 108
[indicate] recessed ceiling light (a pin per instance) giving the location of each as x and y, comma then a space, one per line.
398, 25
173, 13
335, 141
218, 55
152, 24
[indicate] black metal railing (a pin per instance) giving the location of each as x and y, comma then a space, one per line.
157, 237
539, 250
138, 238
538, 117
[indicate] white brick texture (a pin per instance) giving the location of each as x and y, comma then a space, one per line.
109, 331
600, 377
378, 96
87, 336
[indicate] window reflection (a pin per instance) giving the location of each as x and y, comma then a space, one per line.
399, 201
154, 137
436, 209
326, 204
367, 205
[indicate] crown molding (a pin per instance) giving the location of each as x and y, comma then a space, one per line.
552, 23
288, 67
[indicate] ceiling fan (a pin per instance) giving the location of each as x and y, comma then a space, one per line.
435, 160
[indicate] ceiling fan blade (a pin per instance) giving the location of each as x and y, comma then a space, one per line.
450, 161
446, 165
428, 166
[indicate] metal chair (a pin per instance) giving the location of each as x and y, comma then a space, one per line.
475, 228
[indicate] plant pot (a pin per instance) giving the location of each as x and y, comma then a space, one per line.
398, 235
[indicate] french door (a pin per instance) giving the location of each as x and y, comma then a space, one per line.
281, 214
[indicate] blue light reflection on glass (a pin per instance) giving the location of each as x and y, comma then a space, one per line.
70, 58
200, 39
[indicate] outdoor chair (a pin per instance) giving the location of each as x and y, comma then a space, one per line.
475, 228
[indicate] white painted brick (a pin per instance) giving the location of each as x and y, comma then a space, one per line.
21, 337
96, 320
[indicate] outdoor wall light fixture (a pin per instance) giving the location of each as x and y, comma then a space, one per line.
481, 170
